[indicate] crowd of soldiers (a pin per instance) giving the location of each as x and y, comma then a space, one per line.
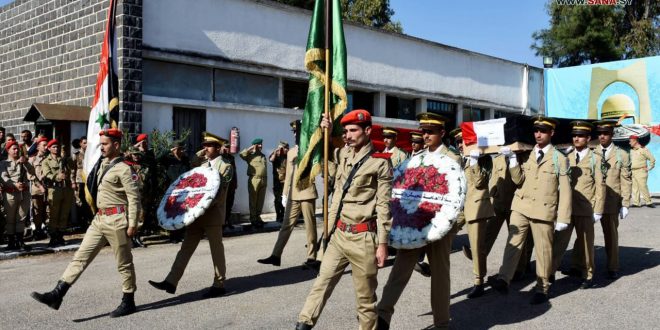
542, 194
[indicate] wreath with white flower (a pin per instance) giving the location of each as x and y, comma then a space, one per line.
188, 197
427, 196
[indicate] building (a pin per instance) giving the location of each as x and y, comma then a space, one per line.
215, 64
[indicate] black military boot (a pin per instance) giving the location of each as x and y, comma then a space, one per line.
53, 298
20, 244
53, 239
137, 242
126, 307
60, 238
303, 326
164, 285
477, 291
272, 260
11, 243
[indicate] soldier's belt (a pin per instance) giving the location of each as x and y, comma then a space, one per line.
361, 227
57, 185
112, 210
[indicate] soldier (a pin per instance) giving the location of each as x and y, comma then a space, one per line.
59, 174
113, 185
389, 138
541, 204
138, 164
228, 158
3, 152
258, 180
616, 169
15, 172
296, 201
84, 211
417, 143
639, 155
172, 166
433, 129
209, 224
39, 195
587, 205
362, 220
26, 142
278, 158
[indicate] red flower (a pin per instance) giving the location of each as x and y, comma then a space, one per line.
194, 180
174, 208
418, 219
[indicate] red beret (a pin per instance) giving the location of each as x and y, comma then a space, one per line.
358, 116
634, 137
112, 132
142, 137
9, 144
51, 142
42, 139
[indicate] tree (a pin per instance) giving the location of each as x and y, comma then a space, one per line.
374, 13
591, 34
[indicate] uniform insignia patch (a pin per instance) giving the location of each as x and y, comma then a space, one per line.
134, 176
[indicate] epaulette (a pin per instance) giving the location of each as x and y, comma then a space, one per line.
383, 155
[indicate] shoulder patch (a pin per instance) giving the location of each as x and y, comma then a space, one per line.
134, 176
382, 155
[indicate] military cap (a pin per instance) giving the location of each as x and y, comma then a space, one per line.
135, 151
605, 125
42, 139
141, 137
356, 117
284, 144
10, 143
431, 120
51, 143
634, 137
179, 144
111, 132
390, 132
416, 137
581, 127
295, 125
456, 133
545, 122
210, 138
257, 141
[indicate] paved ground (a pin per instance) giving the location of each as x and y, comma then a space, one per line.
267, 297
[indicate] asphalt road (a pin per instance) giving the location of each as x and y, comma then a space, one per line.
267, 297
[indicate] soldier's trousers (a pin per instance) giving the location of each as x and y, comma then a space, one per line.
640, 187
610, 224
543, 234
105, 229
257, 193
295, 208
583, 249
278, 187
59, 204
477, 235
211, 225
17, 210
493, 227
358, 250
438, 253
39, 210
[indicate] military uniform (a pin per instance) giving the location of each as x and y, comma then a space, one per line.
279, 175
231, 190
15, 202
39, 214
398, 155
363, 223
640, 173
417, 142
84, 210
257, 182
60, 192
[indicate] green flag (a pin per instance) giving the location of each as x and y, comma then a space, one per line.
310, 148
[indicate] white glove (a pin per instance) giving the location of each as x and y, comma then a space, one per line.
284, 201
569, 149
506, 151
559, 226
623, 212
474, 157
597, 217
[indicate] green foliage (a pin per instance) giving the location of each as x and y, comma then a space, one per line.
592, 34
162, 142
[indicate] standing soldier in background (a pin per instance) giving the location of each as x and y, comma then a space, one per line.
3, 156
172, 166
84, 210
389, 138
39, 194
639, 155
3, 152
228, 158
296, 201
26, 142
113, 187
616, 168
417, 143
138, 164
15, 174
278, 158
59, 176
258, 180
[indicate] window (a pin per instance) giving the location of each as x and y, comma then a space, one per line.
503, 114
473, 114
295, 93
398, 107
177, 80
360, 100
246, 88
446, 109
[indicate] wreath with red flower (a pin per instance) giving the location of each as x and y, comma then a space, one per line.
188, 197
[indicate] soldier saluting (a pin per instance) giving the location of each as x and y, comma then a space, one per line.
113, 184
59, 175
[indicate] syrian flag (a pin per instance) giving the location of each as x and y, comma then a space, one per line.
484, 133
105, 108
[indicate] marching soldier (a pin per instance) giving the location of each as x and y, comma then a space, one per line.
15, 172
587, 204
209, 224
362, 220
417, 143
541, 204
113, 185
39, 195
258, 180
59, 175
278, 158
389, 138
639, 155
616, 169
433, 128
296, 201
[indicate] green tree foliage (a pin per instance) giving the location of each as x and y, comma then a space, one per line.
591, 34
374, 13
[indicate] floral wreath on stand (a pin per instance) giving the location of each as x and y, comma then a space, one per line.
188, 198
427, 196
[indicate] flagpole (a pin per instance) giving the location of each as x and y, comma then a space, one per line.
326, 111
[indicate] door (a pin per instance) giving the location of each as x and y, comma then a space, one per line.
189, 119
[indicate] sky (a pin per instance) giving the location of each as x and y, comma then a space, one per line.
500, 28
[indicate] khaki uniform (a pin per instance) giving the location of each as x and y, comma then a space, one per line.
438, 255
366, 200
618, 183
16, 203
478, 210
210, 224
279, 175
398, 156
39, 215
640, 173
542, 198
60, 191
117, 193
300, 201
257, 182
588, 199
